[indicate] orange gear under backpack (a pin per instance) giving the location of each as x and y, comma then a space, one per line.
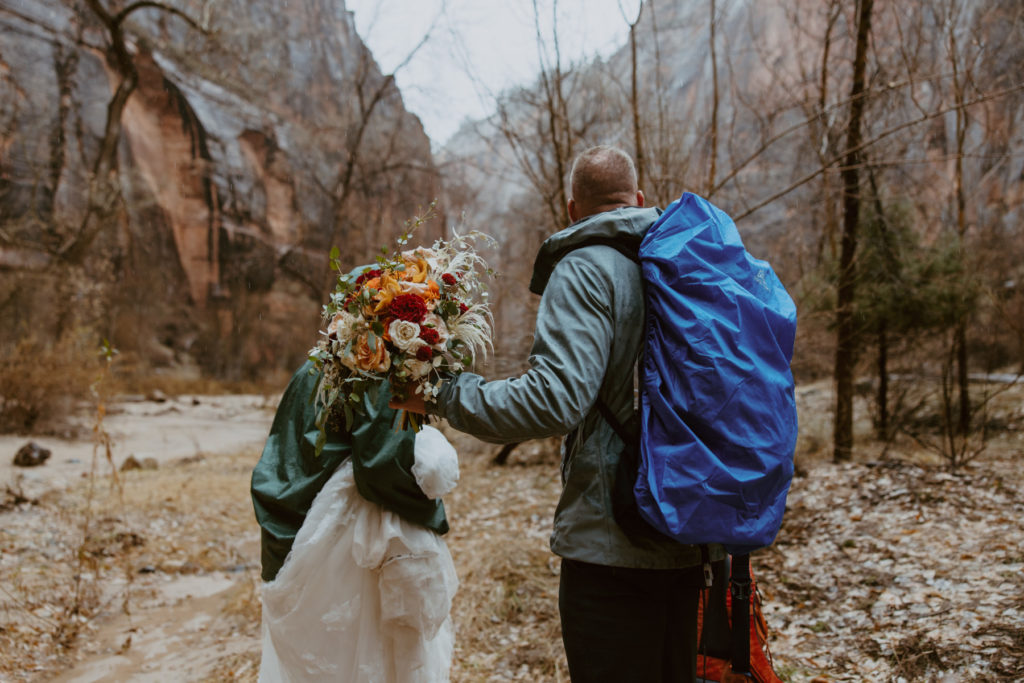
723, 652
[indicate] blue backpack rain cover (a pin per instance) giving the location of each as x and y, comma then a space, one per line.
717, 409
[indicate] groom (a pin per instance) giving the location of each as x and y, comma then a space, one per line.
628, 607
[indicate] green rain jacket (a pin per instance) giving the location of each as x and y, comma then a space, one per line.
588, 337
289, 474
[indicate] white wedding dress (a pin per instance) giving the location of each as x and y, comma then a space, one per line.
364, 595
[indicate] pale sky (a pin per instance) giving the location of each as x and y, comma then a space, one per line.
479, 47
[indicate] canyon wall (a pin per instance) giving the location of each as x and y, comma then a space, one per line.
258, 135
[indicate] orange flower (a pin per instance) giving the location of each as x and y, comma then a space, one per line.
378, 360
387, 324
428, 291
416, 269
388, 288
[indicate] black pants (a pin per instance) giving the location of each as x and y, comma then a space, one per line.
629, 625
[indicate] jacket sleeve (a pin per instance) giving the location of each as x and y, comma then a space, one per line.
567, 364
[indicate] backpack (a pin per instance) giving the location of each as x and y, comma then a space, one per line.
709, 455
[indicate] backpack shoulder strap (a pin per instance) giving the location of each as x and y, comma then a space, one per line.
609, 417
625, 432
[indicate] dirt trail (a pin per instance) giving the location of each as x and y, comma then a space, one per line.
176, 632
192, 598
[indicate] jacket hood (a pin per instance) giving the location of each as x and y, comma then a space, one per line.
625, 226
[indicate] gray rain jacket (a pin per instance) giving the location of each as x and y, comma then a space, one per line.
588, 336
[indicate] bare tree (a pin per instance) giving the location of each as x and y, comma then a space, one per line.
373, 154
634, 99
537, 125
713, 136
104, 188
846, 331
956, 59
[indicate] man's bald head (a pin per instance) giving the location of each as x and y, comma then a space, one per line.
603, 178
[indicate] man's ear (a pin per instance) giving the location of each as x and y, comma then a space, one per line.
640, 199
572, 211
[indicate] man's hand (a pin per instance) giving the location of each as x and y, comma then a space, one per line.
413, 404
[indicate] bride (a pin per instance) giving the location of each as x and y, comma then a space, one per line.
359, 581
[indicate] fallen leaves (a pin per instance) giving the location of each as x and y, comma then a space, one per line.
893, 571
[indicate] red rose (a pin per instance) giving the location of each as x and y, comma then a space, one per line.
463, 307
448, 279
423, 353
430, 335
408, 307
367, 276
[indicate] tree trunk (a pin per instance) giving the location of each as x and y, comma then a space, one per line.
960, 336
713, 154
846, 333
641, 161
882, 396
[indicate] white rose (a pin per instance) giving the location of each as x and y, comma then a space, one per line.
341, 326
434, 320
405, 335
429, 255
418, 368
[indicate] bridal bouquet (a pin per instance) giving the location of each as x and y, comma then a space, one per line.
408, 320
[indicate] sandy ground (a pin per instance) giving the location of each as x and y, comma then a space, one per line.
168, 430
890, 568
178, 625
168, 635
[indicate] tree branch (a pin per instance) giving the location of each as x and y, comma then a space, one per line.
119, 18
868, 143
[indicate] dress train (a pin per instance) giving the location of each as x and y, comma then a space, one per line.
364, 596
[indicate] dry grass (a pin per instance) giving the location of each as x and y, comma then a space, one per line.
41, 383
506, 610
195, 517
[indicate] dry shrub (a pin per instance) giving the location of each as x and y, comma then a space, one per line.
50, 577
41, 383
917, 659
243, 667
134, 376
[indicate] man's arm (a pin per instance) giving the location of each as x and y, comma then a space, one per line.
570, 354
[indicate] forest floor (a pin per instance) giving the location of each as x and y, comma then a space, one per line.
889, 568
